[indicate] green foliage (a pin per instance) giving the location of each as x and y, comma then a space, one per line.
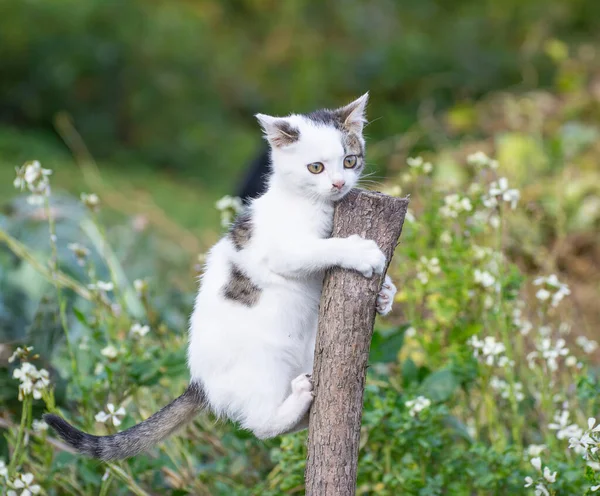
176, 82
481, 378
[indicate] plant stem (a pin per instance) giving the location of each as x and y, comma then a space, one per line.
62, 304
20, 436
60, 278
119, 473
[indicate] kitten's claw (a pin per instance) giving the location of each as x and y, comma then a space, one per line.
385, 298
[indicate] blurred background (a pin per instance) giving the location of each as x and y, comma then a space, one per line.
150, 105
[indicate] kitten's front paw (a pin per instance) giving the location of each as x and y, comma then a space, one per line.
385, 298
302, 385
364, 256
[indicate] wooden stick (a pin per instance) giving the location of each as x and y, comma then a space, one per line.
346, 318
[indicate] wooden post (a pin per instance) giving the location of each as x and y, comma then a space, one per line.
346, 318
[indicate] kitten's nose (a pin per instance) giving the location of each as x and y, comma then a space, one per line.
338, 183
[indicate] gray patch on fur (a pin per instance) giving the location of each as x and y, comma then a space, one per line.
241, 231
286, 134
353, 145
352, 142
241, 289
138, 438
326, 117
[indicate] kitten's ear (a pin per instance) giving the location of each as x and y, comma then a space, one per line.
278, 131
353, 115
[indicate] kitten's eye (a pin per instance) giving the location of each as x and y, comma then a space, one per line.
350, 162
316, 167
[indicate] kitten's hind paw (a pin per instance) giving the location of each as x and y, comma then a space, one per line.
385, 298
302, 384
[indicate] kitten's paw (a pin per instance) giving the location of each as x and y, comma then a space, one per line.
364, 256
302, 385
385, 298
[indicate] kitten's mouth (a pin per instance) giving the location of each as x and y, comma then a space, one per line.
338, 194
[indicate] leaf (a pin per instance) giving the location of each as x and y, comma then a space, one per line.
410, 372
385, 349
440, 385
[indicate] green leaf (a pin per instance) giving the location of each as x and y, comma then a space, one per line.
410, 372
384, 349
440, 385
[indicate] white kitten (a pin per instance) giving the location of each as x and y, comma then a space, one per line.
252, 332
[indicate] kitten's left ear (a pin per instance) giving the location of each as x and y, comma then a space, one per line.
353, 115
278, 130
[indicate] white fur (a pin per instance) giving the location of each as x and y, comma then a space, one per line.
254, 362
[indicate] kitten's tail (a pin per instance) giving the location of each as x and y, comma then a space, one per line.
138, 438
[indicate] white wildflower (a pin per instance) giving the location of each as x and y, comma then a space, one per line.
534, 450
91, 201
33, 381
542, 295
484, 278
3, 469
229, 206
549, 476
551, 353
489, 351
589, 346
571, 361
446, 238
418, 164
551, 288
110, 352
139, 330
427, 267
392, 190
480, 159
414, 162
454, 205
564, 429
34, 178
101, 286
111, 415
536, 462
540, 490
595, 466
528, 481
410, 332
587, 443
525, 327
545, 331
20, 353
80, 252
500, 191
564, 328
595, 488
23, 483
417, 405
141, 286
481, 252
39, 426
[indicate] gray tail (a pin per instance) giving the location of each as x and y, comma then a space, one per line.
138, 438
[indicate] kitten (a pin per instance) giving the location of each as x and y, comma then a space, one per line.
252, 332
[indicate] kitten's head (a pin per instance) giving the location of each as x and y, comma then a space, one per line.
321, 154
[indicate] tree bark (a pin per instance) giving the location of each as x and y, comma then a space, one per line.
346, 318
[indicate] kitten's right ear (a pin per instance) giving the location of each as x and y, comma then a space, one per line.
278, 131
